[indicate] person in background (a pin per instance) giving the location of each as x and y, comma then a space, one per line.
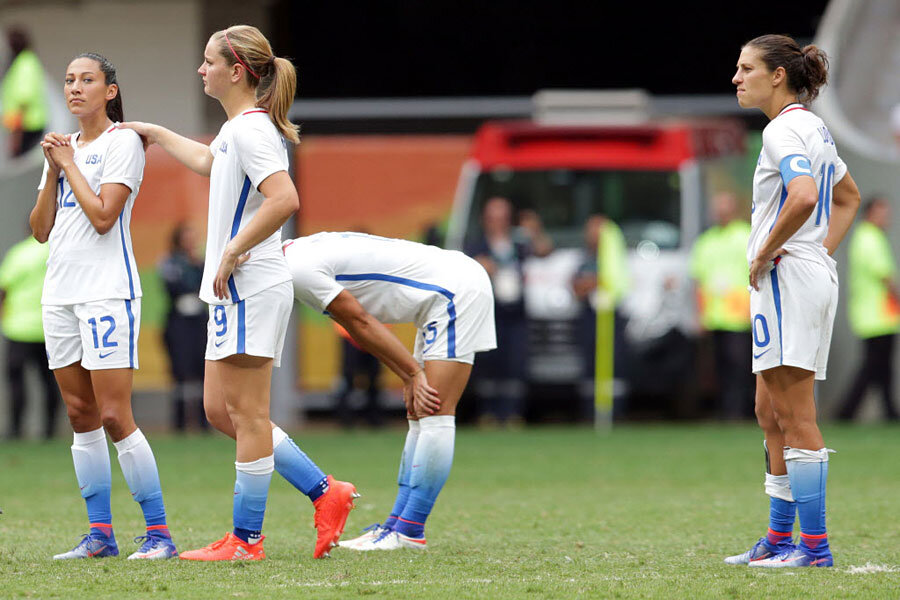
21, 283
598, 229
22, 95
185, 333
719, 266
355, 361
874, 307
501, 372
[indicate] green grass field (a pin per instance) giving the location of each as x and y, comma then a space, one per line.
644, 512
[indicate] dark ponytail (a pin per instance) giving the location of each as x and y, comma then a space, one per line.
114, 109
806, 68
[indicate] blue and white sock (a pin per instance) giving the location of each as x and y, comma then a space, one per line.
430, 468
409, 449
141, 475
294, 465
251, 490
90, 454
782, 510
808, 471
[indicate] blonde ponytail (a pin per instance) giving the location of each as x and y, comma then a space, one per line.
273, 78
278, 96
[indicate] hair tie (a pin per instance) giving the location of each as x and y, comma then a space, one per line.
238, 57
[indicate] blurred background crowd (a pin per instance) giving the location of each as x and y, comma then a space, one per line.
504, 133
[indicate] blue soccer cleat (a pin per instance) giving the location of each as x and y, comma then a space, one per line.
797, 557
761, 550
154, 547
92, 545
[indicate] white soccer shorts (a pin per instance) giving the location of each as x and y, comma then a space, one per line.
793, 316
256, 325
461, 323
101, 334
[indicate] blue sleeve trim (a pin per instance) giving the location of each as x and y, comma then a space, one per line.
793, 166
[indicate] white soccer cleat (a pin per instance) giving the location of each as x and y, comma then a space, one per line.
372, 532
392, 540
759, 551
794, 558
154, 548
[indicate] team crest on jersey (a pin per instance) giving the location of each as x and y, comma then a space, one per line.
93, 159
224, 147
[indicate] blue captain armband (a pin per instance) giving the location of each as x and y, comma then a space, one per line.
793, 166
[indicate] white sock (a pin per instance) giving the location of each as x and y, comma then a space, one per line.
139, 468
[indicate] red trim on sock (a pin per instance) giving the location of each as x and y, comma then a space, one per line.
156, 527
819, 536
101, 525
411, 522
780, 533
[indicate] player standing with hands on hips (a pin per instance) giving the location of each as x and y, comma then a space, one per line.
247, 284
92, 302
804, 201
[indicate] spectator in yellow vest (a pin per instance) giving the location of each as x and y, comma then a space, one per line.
22, 95
874, 307
719, 266
21, 284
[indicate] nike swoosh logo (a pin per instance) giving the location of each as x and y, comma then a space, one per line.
760, 354
408, 539
96, 552
107, 354
217, 344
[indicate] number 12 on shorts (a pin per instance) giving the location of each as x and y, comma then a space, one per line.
109, 331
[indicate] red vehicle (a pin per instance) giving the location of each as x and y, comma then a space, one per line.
652, 179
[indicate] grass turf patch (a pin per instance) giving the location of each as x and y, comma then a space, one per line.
644, 512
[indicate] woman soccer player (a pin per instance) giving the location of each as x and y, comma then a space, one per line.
804, 201
92, 301
247, 284
362, 281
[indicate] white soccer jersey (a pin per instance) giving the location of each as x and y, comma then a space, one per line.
398, 281
85, 266
796, 142
247, 150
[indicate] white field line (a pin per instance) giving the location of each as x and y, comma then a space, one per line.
869, 568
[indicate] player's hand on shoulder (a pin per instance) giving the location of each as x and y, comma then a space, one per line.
147, 131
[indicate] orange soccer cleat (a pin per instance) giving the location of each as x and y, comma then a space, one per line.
332, 509
229, 547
